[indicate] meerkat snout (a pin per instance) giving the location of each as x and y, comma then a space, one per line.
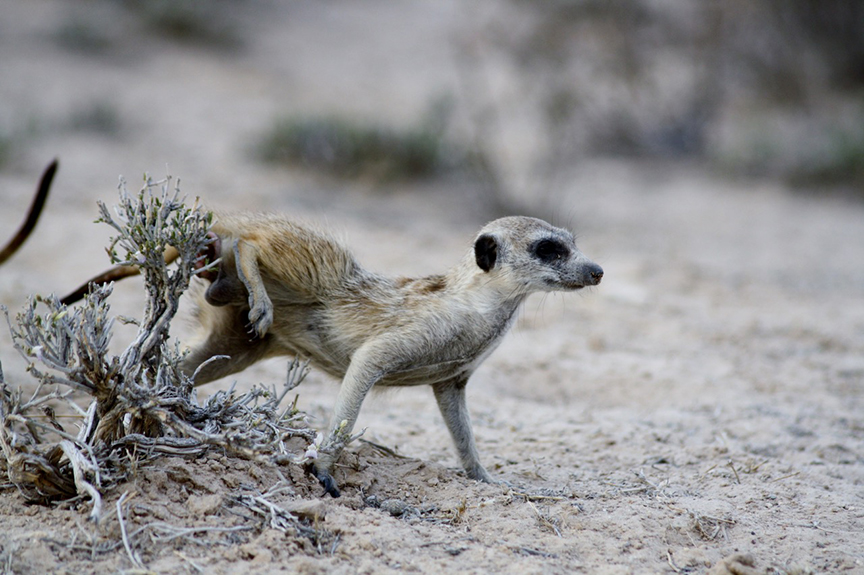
596, 273
575, 274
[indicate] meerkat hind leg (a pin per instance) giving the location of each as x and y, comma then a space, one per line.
450, 396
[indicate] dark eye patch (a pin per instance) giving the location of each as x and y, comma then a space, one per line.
550, 250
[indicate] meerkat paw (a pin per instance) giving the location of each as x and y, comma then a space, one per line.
479, 473
486, 478
326, 480
260, 319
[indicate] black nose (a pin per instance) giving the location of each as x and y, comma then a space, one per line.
596, 273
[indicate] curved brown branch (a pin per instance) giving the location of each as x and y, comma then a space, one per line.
33, 215
114, 274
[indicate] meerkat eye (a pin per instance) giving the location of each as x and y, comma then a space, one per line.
550, 250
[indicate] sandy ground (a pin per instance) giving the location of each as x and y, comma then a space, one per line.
705, 401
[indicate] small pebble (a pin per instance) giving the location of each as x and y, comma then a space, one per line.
394, 507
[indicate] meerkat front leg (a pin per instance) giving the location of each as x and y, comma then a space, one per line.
260, 306
451, 401
363, 373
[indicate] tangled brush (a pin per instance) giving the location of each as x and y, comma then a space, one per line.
140, 403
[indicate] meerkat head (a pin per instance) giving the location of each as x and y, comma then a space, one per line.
528, 255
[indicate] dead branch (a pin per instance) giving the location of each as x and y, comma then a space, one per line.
32, 214
114, 274
133, 557
290, 521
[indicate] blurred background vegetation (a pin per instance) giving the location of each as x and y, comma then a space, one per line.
769, 88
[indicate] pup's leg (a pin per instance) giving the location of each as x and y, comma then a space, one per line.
225, 335
260, 306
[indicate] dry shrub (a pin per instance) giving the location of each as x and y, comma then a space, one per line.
140, 403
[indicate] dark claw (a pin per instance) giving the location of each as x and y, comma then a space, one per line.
327, 482
250, 328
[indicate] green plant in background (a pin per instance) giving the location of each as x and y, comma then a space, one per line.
105, 27
83, 35
211, 23
99, 117
350, 149
842, 162
5, 148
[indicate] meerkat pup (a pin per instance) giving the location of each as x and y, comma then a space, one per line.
286, 289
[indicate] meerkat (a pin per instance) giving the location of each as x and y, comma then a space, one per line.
282, 288
300, 292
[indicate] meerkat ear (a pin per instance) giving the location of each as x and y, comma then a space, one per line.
486, 252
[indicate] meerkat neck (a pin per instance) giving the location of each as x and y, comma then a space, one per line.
484, 290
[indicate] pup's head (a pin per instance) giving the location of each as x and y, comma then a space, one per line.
527, 255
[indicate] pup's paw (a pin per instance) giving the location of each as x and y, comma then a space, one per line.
260, 318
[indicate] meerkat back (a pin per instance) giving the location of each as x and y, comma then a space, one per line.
305, 264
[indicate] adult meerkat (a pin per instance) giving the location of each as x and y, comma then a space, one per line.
286, 289
301, 293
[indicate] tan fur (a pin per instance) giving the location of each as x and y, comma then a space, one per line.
287, 289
